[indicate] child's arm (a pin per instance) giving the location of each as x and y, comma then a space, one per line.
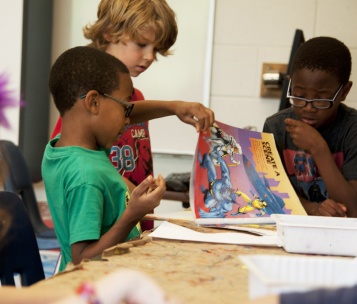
24, 295
326, 208
339, 189
144, 198
192, 113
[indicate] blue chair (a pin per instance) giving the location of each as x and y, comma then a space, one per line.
19, 252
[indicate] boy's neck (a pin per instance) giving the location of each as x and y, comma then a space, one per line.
75, 132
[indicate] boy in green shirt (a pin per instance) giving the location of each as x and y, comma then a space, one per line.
91, 206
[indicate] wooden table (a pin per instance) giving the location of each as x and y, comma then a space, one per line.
188, 271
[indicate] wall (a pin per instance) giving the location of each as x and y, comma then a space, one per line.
10, 59
248, 33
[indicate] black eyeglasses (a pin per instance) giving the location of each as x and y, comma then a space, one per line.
323, 103
128, 105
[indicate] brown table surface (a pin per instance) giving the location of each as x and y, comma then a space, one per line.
190, 272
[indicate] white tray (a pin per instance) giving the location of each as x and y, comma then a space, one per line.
275, 274
317, 234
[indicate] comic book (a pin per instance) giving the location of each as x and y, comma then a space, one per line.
238, 178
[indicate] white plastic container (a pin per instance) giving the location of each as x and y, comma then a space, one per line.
276, 274
317, 234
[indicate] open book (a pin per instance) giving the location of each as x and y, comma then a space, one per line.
238, 178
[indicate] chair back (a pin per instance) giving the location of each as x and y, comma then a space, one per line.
16, 178
19, 253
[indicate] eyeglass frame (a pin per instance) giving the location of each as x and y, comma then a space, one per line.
128, 105
291, 97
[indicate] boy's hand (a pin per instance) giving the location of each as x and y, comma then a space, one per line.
147, 195
303, 135
195, 114
329, 208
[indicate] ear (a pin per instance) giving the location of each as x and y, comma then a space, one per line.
345, 90
92, 102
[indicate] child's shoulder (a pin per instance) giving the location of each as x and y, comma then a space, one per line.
348, 109
347, 113
84, 166
75, 156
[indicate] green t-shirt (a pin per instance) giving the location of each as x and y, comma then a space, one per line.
85, 194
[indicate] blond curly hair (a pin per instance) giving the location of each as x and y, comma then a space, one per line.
120, 19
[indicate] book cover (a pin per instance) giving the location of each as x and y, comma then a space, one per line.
238, 177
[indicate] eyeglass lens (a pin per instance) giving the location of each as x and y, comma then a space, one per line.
319, 104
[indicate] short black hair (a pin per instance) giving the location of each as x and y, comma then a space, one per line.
81, 69
325, 54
